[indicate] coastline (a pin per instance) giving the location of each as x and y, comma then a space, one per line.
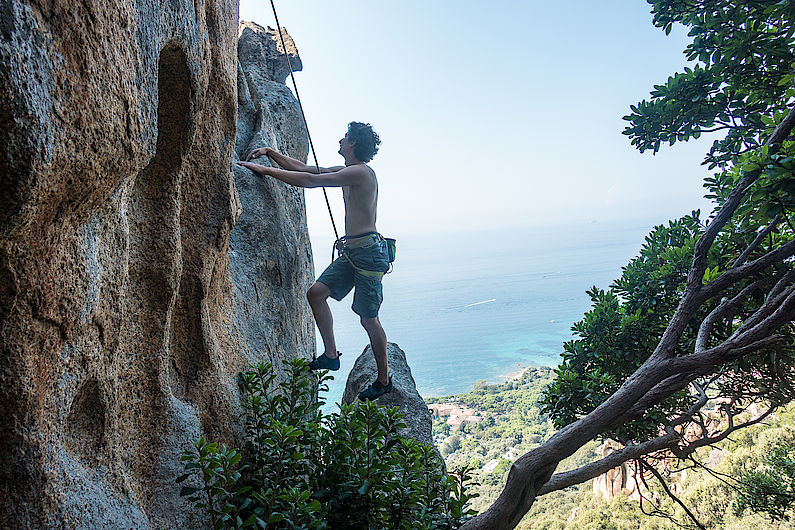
515, 375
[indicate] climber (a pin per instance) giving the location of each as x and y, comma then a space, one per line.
363, 251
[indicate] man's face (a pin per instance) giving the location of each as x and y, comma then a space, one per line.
346, 146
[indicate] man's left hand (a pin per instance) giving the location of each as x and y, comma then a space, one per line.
256, 168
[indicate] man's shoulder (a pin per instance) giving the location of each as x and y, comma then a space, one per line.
364, 170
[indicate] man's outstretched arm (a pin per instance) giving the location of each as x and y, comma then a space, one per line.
289, 163
347, 176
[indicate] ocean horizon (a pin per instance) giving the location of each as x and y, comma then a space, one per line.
482, 306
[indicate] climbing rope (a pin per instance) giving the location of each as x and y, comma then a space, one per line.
306, 125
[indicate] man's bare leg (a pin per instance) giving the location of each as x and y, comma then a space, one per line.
378, 343
317, 296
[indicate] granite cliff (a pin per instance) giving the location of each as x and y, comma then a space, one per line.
138, 271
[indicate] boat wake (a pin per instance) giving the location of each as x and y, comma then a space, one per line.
481, 303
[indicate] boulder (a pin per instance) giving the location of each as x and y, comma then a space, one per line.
404, 395
121, 329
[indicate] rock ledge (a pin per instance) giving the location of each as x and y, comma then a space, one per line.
404, 396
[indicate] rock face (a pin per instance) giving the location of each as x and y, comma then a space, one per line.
404, 395
123, 319
625, 479
270, 256
618, 481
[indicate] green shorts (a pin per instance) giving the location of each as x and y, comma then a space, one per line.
341, 277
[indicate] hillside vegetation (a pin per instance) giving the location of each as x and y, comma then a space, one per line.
511, 423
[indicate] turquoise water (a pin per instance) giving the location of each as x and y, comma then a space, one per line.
467, 307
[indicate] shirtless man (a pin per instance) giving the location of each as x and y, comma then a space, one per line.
363, 258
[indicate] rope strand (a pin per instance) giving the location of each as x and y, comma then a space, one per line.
306, 125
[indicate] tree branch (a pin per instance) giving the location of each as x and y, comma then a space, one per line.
743, 271
698, 364
687, 416
686, 369
705, 329
661, 480
773, 299
689, 449
777, 312
755, 243
655, 511
704, 243
560, 481
785, 280
782, 131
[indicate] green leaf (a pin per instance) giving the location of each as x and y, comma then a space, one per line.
364, 487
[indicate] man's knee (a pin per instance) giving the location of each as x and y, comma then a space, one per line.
370, 323
318, 292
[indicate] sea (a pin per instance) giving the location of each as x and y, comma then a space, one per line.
482, 306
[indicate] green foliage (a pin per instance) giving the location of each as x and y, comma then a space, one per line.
451, 445
511, 424
741, 82
219, 471
742, 79
771, 490
514, 410
350, 469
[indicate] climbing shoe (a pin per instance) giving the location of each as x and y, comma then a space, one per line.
375, 390
325, 363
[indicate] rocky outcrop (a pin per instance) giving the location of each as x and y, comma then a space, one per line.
404, 395
628, 479
270, 257
621, 480
122, 325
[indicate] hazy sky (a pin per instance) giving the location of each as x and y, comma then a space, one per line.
492, 114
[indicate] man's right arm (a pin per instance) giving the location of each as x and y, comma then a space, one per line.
289, 163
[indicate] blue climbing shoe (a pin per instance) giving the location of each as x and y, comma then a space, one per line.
375, 390
325, 363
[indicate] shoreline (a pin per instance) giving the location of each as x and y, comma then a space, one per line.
515, 375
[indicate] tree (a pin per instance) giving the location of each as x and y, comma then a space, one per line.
702, 318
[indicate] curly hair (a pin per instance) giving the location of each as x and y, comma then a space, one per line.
365, 138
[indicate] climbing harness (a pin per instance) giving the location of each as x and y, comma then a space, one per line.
346, 242
340, 242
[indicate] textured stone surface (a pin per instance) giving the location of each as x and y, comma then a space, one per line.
621, 480
404, 395
120, 337
270, 275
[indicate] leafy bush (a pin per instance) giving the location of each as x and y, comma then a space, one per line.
771, 490
299, 469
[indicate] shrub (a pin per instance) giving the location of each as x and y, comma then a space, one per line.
772, 490
301, 469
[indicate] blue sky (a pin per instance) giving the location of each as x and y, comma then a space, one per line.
492, 115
